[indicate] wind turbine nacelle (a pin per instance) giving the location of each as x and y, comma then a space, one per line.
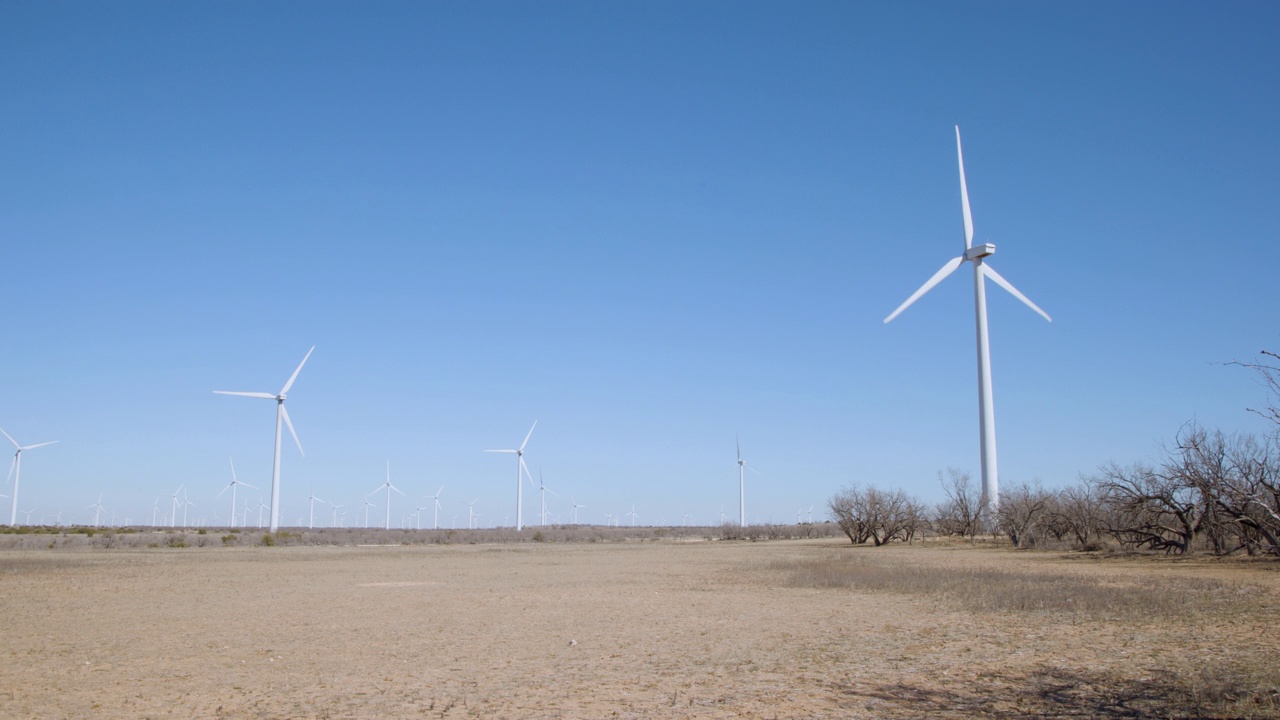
979, 251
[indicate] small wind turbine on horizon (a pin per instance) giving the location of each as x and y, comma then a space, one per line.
521, 471
435, 525
281, 414
97, 510
542, 492
311, 516
15, 471
173, 515
576, 506
232, 486
742, 484
977, 254
388, 487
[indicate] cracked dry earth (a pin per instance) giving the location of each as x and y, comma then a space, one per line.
621, 630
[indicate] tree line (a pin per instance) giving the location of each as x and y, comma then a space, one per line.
1210, 491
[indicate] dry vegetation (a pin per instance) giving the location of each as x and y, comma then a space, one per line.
661, 628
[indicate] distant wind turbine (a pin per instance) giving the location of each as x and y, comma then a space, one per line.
521, 470
388, 487
742, 484
15, 471
281, 414
576, 506
977, 254
232, 486
97, 510
435, 525
311, 516
542, 493
173, 515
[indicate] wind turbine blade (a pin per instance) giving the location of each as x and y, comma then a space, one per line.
938, 277
292, 432
964, 196
553, 492
12, 462
439, 491
502, 451
228, 487
294, 376
245, 484
526, 437
751, 469
991, 273
738, 445
525, 469
393, 487
233, 468
265, 396
32, 447
15, 442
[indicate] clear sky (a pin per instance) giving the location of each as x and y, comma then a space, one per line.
647, 225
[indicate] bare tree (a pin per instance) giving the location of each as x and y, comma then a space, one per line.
1150, 508
1022, 512
961, 513
1080, 511
1269, 373
876, 515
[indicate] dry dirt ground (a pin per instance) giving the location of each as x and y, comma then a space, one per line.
628, 630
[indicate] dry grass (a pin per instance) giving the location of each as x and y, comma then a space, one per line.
662, 629
995, 590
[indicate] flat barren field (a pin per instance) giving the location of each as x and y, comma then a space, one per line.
788, 629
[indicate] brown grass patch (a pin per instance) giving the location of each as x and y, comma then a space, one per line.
993, 590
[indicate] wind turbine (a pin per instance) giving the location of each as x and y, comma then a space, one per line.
632, 514
15, 470
155, 510
542, 492
575, 511
471, 511
389, 487
97, 510
281, 414
334, 522
977, 254
367, 505
742, 484
186, 504
232, 485
436, 499
520, 468
173, 516
311, 516
261, 506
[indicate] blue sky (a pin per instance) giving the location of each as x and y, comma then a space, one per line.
649, 226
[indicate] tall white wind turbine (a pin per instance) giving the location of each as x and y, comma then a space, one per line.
742, 485
281, 414
542, 494
436, 499
521, 470
389, 487
977, 255
232, 486
15, 471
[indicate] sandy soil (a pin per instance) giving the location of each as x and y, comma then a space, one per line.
622, 630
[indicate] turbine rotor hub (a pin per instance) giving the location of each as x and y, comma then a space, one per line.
979, 251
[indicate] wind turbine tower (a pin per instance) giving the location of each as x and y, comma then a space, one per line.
742, 484
15, 470
977, 254
281, 414
521, 470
